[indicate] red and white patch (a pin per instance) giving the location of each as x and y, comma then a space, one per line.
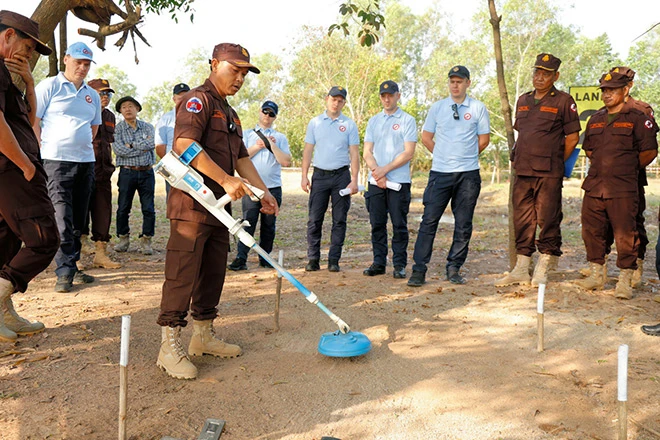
194, 105
88, 98
342, 128
467, 116
396, 127
648, 124
574, 108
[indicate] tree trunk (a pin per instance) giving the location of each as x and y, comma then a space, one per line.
63, 42
506, 113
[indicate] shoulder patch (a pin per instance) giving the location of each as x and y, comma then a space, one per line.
648, 124
194, 105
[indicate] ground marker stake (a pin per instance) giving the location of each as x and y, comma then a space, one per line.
278, 292
539, 317
622, 393
123, 373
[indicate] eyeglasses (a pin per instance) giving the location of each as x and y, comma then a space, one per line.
268, 113
454, 107
105, 93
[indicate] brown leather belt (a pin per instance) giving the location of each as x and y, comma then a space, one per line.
143, 168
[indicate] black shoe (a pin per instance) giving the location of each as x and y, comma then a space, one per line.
237, 264
399, 272
64, 284
313, 265
373, 270
454, 276
82, 278
264, 263
417, 279
333, 266
653, 330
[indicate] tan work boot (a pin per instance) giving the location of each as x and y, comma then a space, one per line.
541, 270
203, 341
586, 271
172, 358
623, 286
101, 258
636, 281
553, 264
595, 280
18, 324
145, 240
519, 274
6, 290
124, 243
86, 245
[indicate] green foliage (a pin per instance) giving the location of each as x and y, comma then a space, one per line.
173, 7
118, 81
367, 16
157, 102
323, 62
643, 58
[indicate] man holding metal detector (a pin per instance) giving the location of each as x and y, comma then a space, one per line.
389, 144
197, 249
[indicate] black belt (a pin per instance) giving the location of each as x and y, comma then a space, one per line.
330, 172
142, 168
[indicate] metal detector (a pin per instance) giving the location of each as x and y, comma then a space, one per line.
179, 174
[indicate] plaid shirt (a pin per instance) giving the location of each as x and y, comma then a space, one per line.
134, 146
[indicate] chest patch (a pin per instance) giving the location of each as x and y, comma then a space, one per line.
88, 99
467, 116
342, 128
396, 127
194, 105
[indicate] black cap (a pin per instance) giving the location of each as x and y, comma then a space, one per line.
271, 106
130, 99
460, 71
389, 87
337, 91
180, 88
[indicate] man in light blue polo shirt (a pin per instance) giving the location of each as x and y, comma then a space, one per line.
165, 126
334, 141
269, 152
461, 126
389, 145
68, 117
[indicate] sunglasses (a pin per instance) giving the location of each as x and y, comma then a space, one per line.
104, 93
268, 113
454, 107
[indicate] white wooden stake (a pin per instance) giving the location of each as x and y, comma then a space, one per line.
123, 373
622, 391
278, 292
539, 318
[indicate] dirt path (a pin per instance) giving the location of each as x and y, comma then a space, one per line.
448, 362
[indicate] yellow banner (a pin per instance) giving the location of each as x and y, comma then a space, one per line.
588, 100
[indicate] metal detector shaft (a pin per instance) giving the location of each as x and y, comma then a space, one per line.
177, 171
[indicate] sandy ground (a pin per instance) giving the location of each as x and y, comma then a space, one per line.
448, 362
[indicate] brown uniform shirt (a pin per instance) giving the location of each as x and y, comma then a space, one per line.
542, 127
16, 114
202, 115
615, 148
103, 167
648, 111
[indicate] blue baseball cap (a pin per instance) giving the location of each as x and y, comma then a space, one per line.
271, 106
337, 91
460, 71
389, 87
80, 51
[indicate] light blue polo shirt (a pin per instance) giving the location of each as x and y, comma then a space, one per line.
264, 161
165, 130
67, 116
456, 141
388, 133
331, 139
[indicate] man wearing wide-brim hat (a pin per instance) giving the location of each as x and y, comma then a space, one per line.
619, 141
29, 236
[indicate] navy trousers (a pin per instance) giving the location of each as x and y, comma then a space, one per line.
69, 187
144, 183
381, 202
251, 213
462, 189
325, 187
